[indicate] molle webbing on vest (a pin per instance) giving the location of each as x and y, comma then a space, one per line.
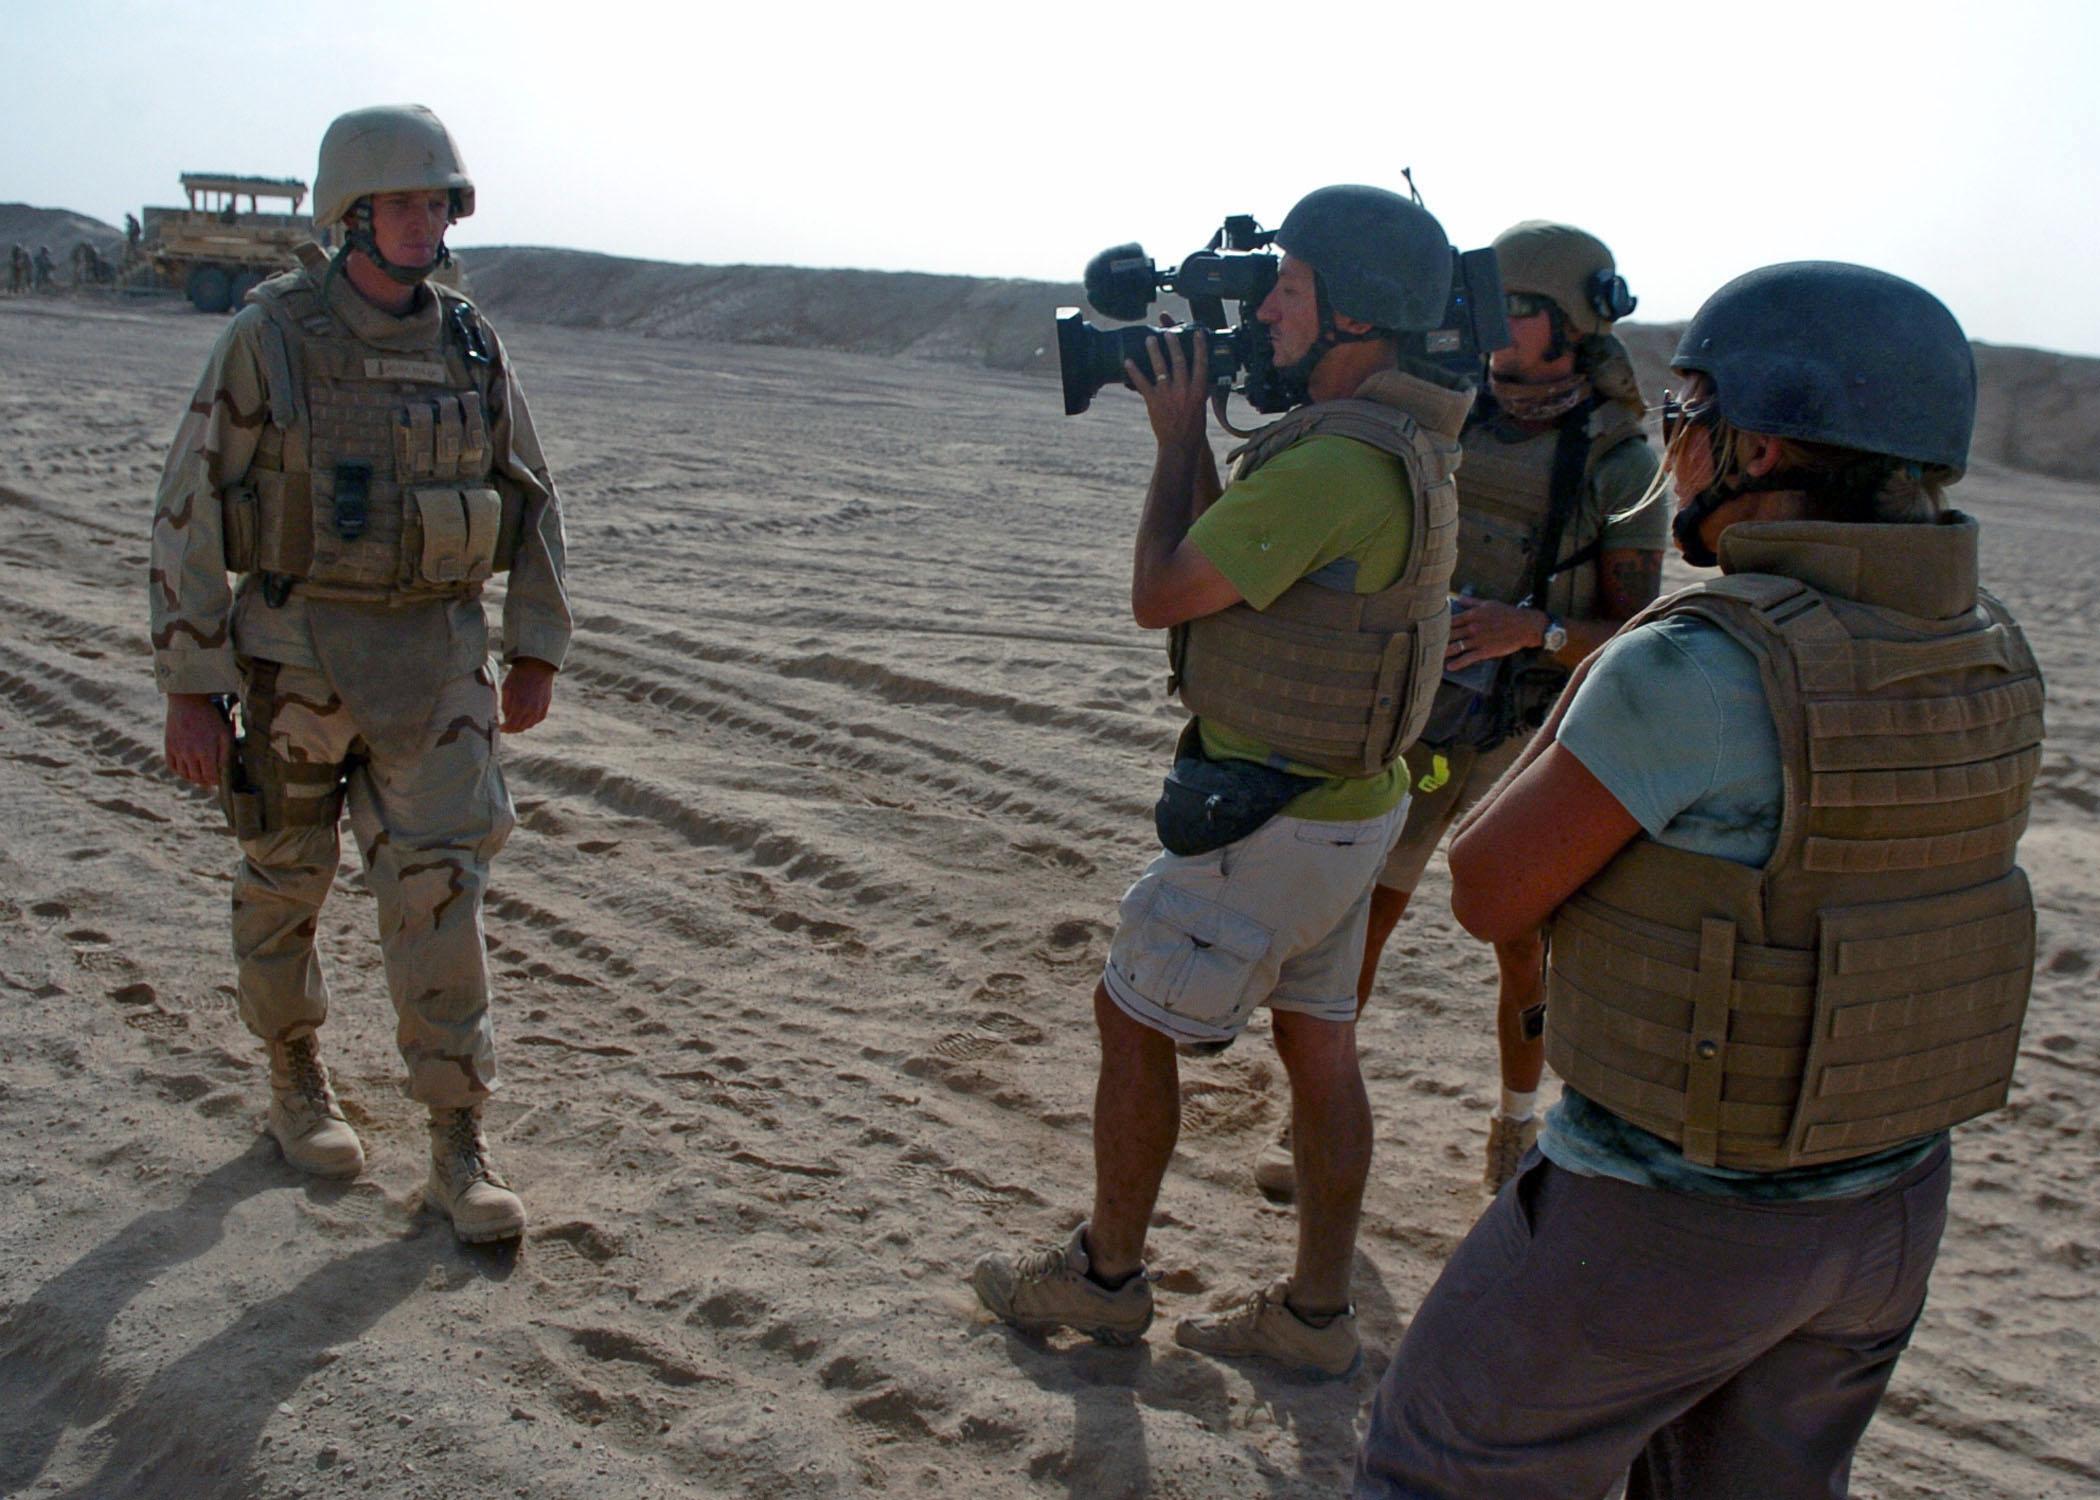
1335, 680
408, 430
1868, 985
1504, 501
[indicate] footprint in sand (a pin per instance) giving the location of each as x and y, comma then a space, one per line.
1215, 1109
993, 1030
2068, 961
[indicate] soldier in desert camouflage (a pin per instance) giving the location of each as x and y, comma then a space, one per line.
17, 269
360, 455
44, 266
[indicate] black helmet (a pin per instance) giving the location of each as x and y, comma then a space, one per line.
1832, 353
1379, 256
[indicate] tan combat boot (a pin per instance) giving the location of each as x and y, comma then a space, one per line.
464, 1185
1508, 1140
304, 1116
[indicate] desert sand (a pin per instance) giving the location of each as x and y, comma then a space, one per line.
817, 859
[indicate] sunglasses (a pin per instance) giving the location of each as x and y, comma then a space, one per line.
1524, 304
1678, 414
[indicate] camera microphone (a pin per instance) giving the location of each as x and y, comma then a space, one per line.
1120, 283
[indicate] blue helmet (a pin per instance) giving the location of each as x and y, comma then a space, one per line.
1380, 257
1826, 352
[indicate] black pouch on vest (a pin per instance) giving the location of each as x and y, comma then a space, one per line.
1207, 804
353, 496
1466, 712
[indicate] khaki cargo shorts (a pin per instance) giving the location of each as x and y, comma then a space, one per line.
1277, 917
1443, 786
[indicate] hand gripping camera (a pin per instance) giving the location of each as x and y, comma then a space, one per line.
1237, 266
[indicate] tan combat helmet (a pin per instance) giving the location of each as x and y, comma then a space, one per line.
389, 148
1570, 267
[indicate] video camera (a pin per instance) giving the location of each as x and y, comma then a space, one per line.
1238, 266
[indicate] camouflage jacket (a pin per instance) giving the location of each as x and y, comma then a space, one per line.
198, 621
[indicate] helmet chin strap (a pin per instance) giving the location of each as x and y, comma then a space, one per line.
1684, 526
359, 237
1299, 372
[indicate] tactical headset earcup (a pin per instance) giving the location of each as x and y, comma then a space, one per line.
1610, 298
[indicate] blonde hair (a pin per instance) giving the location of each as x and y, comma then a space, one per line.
1843, 484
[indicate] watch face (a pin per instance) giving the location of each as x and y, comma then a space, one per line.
1556, 636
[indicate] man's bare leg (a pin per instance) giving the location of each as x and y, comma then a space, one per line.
1137, 1117
1276, 1170
1522, 986
1331, 1130
1515, 1123
1387, 907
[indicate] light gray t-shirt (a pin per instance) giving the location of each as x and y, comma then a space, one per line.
1674, 722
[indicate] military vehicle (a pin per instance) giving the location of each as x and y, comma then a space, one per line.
212, 251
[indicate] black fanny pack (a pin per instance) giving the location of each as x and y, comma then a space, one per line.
1207, 804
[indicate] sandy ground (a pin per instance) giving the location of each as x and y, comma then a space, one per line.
817, 859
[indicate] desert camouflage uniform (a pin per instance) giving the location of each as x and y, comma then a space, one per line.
17, 269
400, 697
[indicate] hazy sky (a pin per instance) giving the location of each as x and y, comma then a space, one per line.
1957, 144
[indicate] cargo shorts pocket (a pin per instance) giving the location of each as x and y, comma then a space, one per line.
1189, 956
460, 523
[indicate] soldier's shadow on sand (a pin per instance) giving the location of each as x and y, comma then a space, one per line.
191, 1429
51, 1374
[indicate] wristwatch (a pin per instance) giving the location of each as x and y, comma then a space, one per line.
1553, 637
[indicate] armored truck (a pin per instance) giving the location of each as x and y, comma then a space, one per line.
212, 251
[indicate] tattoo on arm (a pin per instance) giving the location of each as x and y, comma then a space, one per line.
1632, 580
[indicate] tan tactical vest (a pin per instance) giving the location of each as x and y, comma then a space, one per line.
1867, 986
372, 477
1338, 680
1503, 503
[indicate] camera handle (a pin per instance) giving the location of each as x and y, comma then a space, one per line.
1218, 398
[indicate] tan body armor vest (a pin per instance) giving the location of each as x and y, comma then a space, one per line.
1339, 680
1503, 504
1867, 986
372, 477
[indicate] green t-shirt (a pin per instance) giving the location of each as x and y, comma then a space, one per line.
1337, 511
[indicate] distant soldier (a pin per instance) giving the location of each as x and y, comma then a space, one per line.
132, 233
44, 267
388, 470
17, 269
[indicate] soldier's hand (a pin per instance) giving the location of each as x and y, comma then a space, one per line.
198, 739
528, 692
1176, 388
1485, 629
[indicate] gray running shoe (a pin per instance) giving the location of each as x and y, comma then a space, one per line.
1262, 1323
304, 1116
1508, 1140
1049, 1288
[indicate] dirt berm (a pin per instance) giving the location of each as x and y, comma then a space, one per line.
2036, 410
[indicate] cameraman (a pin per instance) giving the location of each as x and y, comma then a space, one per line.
1334, 542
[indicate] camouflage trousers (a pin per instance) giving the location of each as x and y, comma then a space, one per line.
427, 826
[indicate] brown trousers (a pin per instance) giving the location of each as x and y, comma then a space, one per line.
1588, 1331
427, 825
